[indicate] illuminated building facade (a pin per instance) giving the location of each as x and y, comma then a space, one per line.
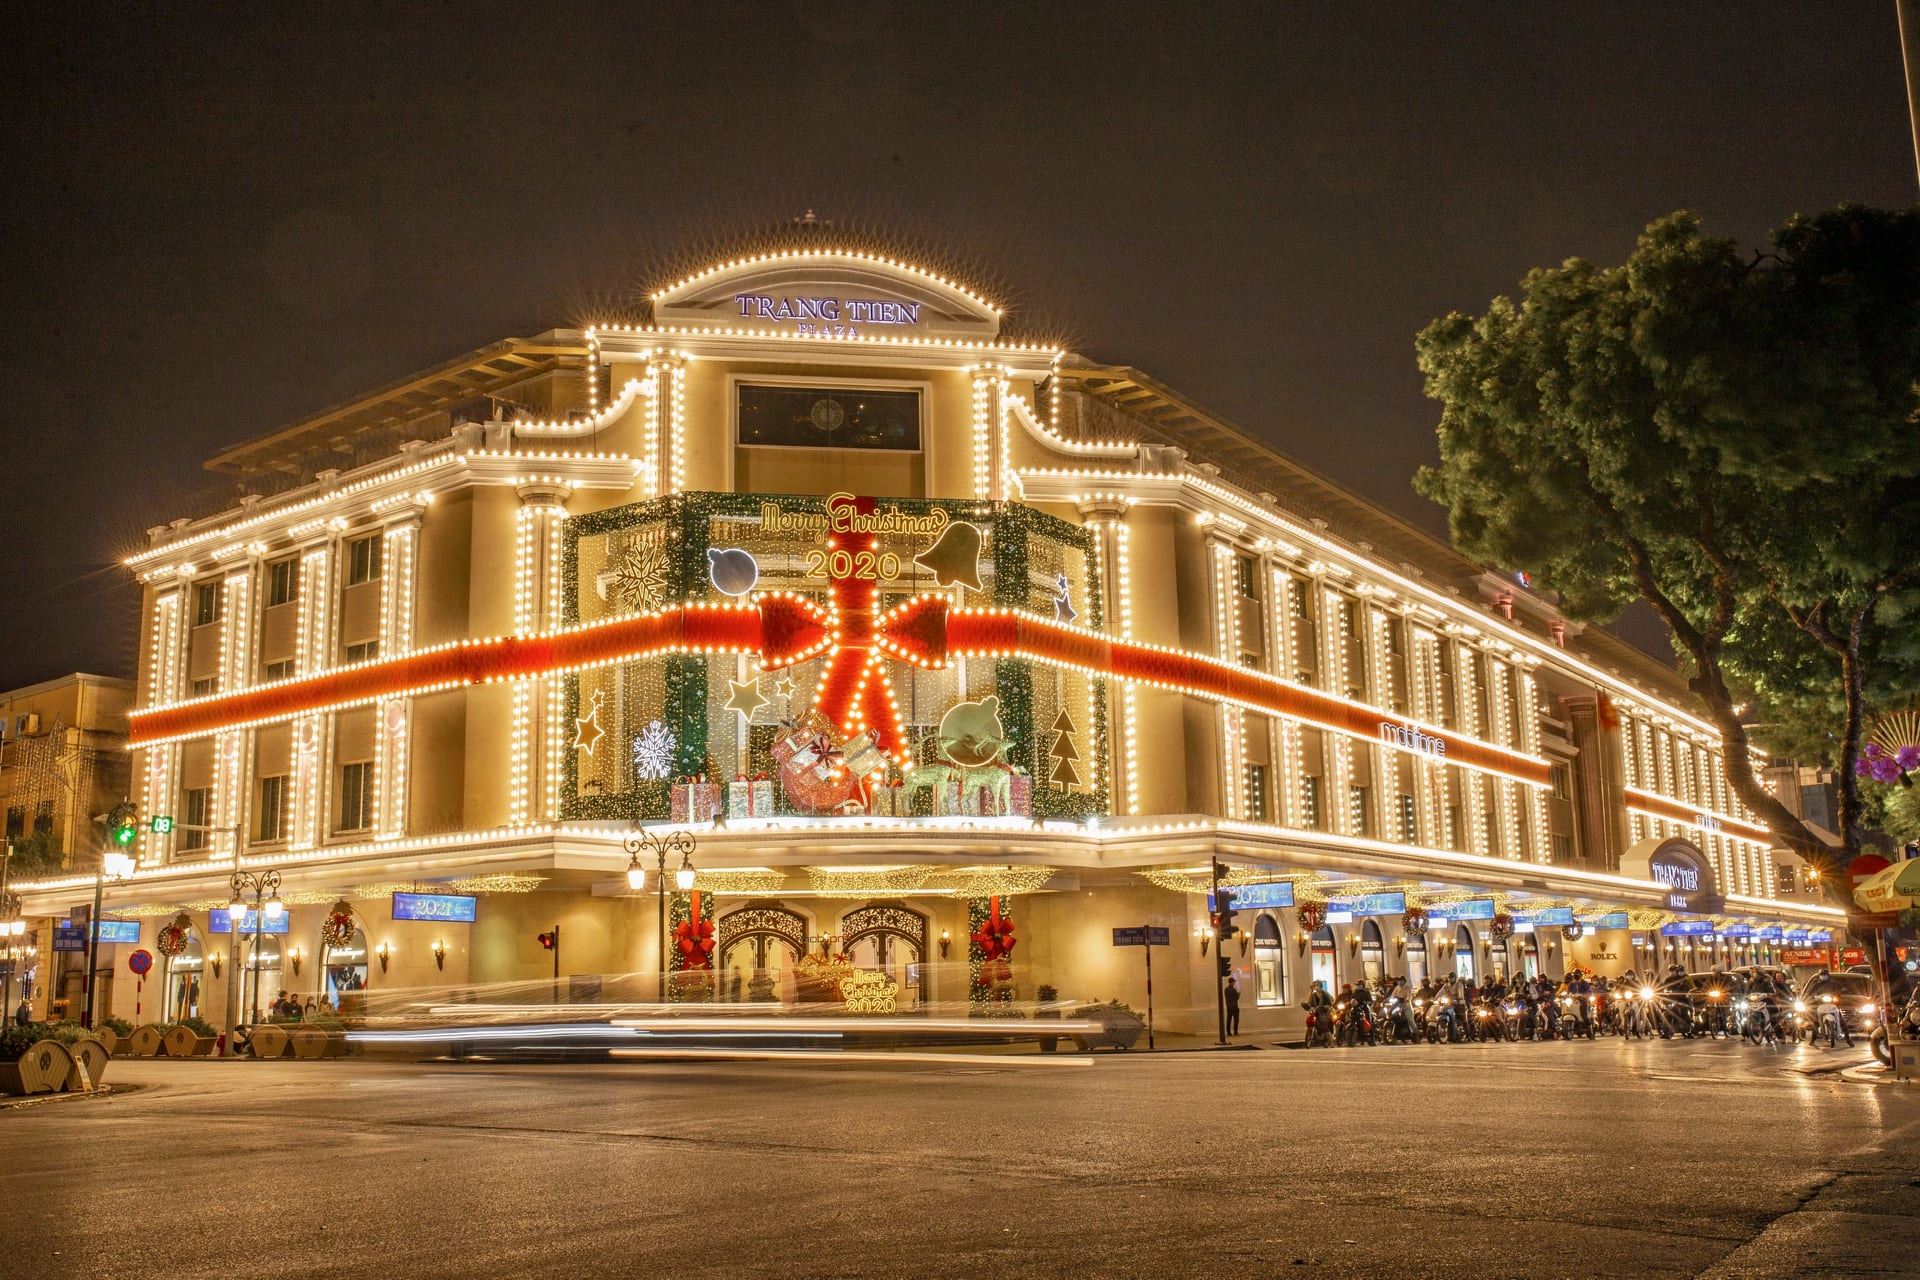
923, 631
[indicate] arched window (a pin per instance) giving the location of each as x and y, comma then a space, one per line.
260, 980
1326, 971
346, 969
1463, 953
1269, 962
1416, 957
185, 974
1373, 959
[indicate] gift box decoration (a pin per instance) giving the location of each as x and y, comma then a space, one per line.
694, 799
761, 790
740, 797
1020, 794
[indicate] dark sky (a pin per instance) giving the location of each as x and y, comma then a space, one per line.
217, 225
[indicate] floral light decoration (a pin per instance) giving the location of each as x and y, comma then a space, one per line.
1883, 764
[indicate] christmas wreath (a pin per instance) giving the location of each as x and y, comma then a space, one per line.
1575, 930
1502, 926
337, 929
694, 938
1415, 921
1312, 915
172, 939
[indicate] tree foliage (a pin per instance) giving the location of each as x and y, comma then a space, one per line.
1728, 436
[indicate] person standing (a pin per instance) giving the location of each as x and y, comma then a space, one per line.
1233, 1007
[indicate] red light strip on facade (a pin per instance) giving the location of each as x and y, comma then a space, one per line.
786, 628
1676, 811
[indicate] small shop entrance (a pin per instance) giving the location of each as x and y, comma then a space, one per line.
1325, 971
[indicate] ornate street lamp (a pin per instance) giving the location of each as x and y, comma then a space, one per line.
266, 905
643, 841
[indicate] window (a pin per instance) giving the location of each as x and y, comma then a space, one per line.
193, 826
1244, 575
363, 560
1269, 962
1310, 801
1562, 845
206, 687
281, 670
365, 651
1257, 791
16, 822
206, 604
283, 581
273, 808
1562, 779
1301, 599
1359, 811
1409, 824
828, 417
43, 817
1784, 879
1350, 619
356, 796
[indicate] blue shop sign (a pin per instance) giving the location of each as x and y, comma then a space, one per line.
1258, 897
457, 908
1819, 935
1550, 916
1612, 920
1737, 932
219, 920
117, 931
69, 937
1770, 934
1471, 909
1796, 936
1687, 929
1370, 904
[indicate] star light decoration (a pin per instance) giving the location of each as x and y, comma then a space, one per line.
653, 752
588, 733
746, 698
1063, 610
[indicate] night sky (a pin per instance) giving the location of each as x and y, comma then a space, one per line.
216, 226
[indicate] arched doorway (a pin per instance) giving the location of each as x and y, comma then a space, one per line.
1497, 959
889, 938
757, 946
1463, 966
1269, 962
346, 969
1373, 952
185, 973
1325, 968
1416, 957
260, 981
1530, 956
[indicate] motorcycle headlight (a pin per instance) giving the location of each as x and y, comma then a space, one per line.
1646, 993
1799, 1006
1866, 1008
1716, 995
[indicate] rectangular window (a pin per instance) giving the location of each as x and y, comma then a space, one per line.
1409, 823
1301, 598
356, 796
829, 418
1244, 575
1310, 801
206, 687
273, 808
363, 560
206, 604
1359, 811
365, 651
283, 581
1784, 878
43, 817
1350, 619
193, 826
16, 822
1257, 792
1562, 779
281, 670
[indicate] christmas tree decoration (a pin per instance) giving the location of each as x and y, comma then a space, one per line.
588, 732
746, 698
1063, 752
732, 571
954, 558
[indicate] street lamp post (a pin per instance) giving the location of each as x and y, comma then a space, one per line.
113, 866
645, 841
266, 905
12, 930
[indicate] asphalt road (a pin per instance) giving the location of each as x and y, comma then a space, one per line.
1613, 1159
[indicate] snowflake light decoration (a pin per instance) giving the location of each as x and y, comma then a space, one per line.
635, 578
653, 752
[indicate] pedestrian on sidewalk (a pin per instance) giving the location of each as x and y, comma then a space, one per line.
1233, 1007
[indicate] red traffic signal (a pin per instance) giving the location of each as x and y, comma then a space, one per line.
548, 941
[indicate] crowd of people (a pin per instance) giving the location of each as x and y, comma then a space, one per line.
1757, 1003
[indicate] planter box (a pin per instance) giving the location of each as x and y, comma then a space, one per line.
143, 1043
185, 1042
317, 1042
108, 1038
45, 1067
270, 1042
1118, 1033
90, 1055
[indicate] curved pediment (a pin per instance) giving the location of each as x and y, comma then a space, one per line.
828, 292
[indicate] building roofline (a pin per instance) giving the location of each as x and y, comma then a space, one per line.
56, 682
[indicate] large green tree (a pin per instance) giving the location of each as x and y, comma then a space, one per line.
1728, 436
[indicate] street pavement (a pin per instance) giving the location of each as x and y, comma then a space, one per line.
1608, 1159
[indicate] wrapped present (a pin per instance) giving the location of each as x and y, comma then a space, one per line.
694, 799
761, 790
1020, 794
887, 799
740, 797
863, 757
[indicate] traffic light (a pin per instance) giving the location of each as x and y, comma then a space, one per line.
121, 827
548, 941
1224, 929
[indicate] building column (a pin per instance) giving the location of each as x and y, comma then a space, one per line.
1105, 515
991, 428
393, 719
536, 544
312, 734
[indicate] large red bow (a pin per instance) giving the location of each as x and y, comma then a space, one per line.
694, 938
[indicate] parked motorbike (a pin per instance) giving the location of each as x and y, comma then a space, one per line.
1906, 1026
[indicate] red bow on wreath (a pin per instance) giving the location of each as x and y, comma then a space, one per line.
994, 937
695, 940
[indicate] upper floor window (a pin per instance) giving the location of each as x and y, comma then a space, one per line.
365, 651
363, 560
283, 581
1257, 792
206, 686
1562, 779
206, 604
356, 796
828, 417
1245, 576
196, 812
273, 808
1350, 619
281, 670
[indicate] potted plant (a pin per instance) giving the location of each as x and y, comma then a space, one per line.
31, 1061
1048, 996
1120, 1026
191, 1037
